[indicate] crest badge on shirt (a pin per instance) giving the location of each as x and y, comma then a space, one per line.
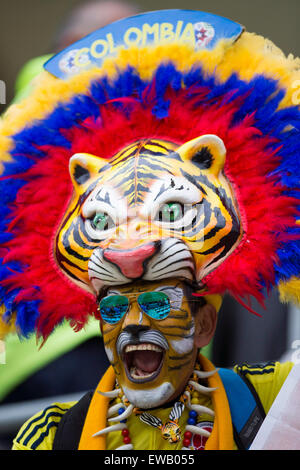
197, 441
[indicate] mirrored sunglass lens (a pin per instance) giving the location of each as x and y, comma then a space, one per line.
155, 304
113, 308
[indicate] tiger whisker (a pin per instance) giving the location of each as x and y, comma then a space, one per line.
185, 272
180, 264
99, 265
164, 250
103, 275
100, 270
171, 256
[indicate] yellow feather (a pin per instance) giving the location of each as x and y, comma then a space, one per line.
290, 291
253, 54
6, 328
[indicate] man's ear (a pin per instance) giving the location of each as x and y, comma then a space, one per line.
205, 325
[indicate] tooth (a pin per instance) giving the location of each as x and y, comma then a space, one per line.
142, 347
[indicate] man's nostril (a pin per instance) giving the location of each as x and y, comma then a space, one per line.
135, 330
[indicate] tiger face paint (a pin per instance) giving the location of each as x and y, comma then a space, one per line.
152, 358
155, 210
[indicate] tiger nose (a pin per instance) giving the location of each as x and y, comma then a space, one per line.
132, 262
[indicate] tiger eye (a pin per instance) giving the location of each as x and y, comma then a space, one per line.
101, 221
170, 212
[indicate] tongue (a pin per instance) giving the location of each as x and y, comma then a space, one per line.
146, 361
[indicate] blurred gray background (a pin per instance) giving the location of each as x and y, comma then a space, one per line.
28, 27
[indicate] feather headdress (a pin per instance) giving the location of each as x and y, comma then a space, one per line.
243, 90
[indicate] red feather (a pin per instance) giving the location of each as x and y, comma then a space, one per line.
41, 202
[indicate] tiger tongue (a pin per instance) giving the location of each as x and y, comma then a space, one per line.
146, 361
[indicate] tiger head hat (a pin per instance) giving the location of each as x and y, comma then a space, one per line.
172, 154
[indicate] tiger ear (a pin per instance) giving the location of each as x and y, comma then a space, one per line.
207, 152
83, 168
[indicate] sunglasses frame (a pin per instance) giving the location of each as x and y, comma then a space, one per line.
137, 296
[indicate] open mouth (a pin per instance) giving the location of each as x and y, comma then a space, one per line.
143, 362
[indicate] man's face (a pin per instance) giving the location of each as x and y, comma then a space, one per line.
152, 358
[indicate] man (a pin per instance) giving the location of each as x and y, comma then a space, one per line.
160, 394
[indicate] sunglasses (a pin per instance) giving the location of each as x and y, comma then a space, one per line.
155, 304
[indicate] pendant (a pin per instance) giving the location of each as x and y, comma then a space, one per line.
171, 431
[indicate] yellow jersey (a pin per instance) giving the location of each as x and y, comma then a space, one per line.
38, 432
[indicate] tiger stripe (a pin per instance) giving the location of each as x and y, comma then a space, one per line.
180, 366
256, 369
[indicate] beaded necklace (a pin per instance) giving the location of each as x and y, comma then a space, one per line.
170, 430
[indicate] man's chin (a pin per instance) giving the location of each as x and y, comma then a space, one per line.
149, 398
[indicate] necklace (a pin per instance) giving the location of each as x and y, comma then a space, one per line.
170, 430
